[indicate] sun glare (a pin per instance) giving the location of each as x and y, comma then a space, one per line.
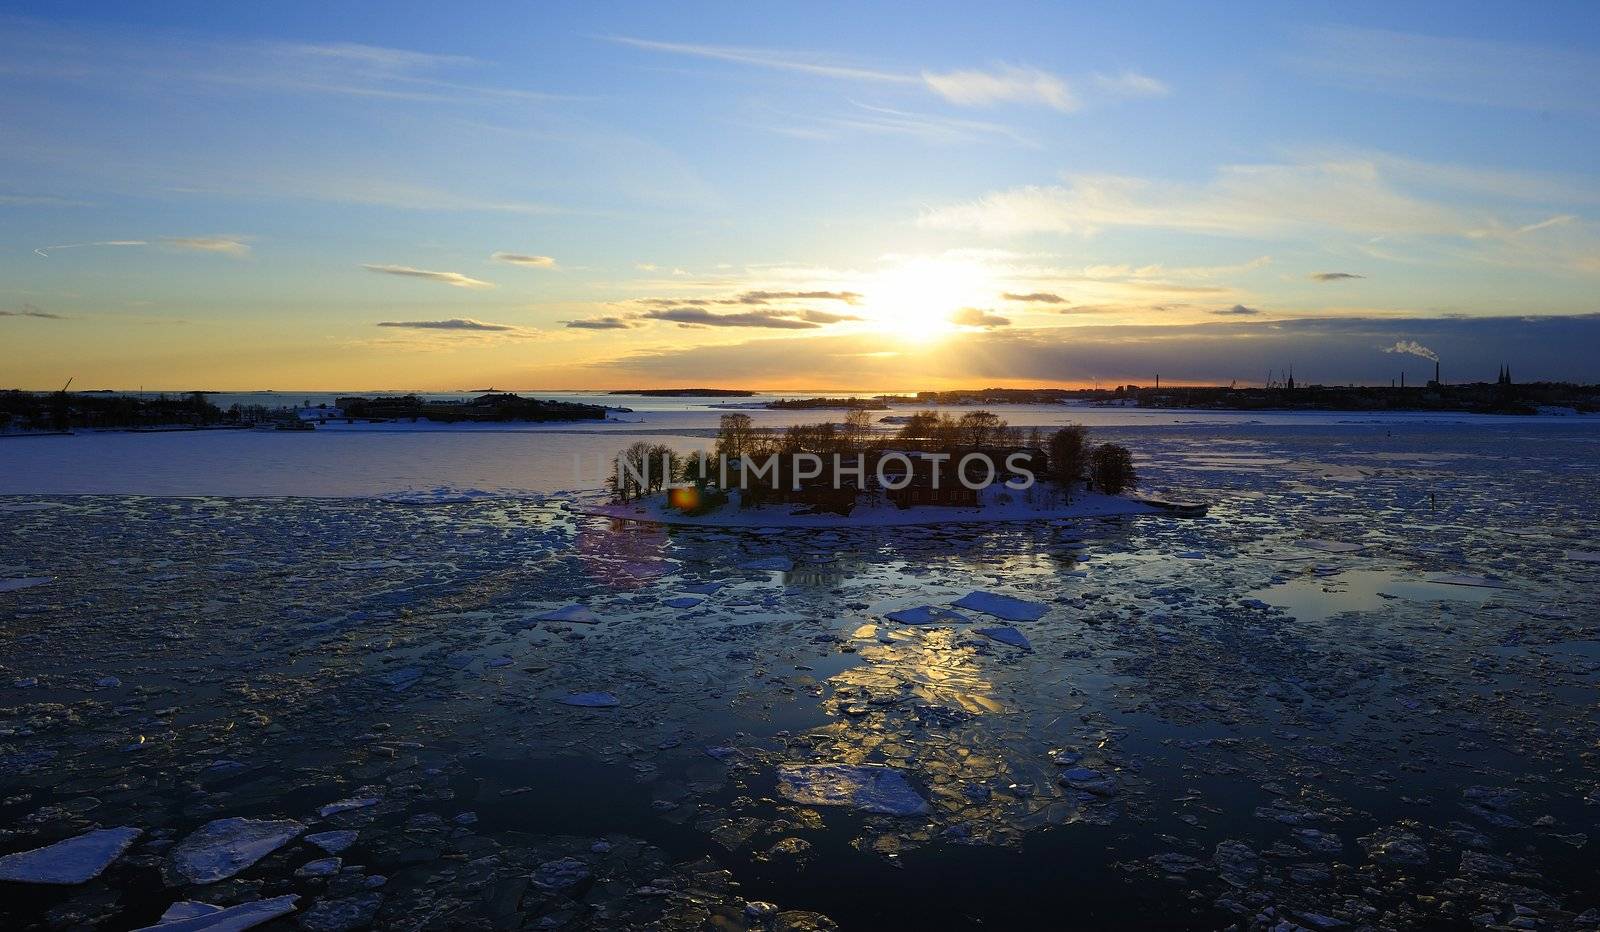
915, 299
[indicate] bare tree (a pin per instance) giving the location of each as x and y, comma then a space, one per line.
735, 436
1111, 468
1069, 457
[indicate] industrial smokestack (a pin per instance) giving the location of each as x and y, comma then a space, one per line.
1436, 373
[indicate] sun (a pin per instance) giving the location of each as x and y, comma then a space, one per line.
915, 299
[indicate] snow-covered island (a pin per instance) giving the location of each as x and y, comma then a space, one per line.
935, 469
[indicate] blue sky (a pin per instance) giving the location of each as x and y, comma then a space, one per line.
287, 196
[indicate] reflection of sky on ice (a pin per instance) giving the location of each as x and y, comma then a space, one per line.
1228, 681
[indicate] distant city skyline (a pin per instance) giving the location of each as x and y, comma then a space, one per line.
833, 197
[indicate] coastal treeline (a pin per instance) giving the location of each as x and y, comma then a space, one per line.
50, 411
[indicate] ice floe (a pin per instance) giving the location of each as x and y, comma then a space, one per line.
869, 787
1002, 606
575, 614
224, 847
190, 916
926, 615
75, 860
347, 805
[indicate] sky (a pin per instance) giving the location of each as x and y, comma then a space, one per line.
306, 196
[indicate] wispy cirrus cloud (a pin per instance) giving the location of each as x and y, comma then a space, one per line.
86, 54
803, 62
466, 324
455, 279
1238, 200
221, 245
1463, 71
1004, 84
517, 258
964, 87
1131, 84
1365, 200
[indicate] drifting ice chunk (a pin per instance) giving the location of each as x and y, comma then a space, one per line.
224, 847
346, 805
682, 602
870, 788
402, 679
704, 588
11, 585
333, 842
76, 860
1002, 606
577, 614
778, 564
1583, 556
594, 700
1007, 635
927, 615
189, 916
321, 867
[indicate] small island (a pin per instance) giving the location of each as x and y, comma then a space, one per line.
495, 407
935, 469
685, 392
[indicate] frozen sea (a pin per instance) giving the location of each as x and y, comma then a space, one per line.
1360, 693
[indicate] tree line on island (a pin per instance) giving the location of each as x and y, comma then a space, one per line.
851, 454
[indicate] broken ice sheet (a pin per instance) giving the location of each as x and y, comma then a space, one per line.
769, 564
926, 615
869, 787
347, 805
75, 860
224, 847
190, 916
1002, 606
576, 614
